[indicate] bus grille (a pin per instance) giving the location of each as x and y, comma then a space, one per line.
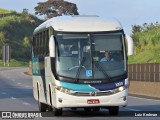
103, 93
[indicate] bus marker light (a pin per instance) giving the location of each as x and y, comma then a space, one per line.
60, 100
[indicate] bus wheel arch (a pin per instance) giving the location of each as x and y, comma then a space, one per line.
50, 95
37, 91
56, 111
42, 107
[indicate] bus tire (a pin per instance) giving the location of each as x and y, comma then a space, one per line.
56, 112
42, 107
114, 110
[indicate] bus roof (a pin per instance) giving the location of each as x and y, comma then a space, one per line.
80, 24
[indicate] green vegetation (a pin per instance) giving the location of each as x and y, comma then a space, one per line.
15, 63
147, 43
16, 30
3, 11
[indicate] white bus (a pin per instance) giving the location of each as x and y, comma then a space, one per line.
67, 66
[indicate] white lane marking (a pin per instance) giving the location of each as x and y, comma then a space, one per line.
27, 86
145, 98
13, 79
19, 83
131, 109
13, 98
26, 103
4, 93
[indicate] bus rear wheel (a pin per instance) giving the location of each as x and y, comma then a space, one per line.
114, 110
42, 107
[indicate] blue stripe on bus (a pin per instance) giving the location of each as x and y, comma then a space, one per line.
92, 87
77, 87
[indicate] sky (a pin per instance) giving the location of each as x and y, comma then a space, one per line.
128, 12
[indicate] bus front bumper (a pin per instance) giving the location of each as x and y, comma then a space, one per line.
66, 100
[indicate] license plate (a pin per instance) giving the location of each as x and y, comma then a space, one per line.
93, 101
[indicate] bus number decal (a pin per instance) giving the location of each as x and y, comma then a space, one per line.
119, 84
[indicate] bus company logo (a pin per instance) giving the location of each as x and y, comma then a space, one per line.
6, 115
92, 94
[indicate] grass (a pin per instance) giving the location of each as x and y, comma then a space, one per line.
3, 11
15, 63
148, 55
14, 27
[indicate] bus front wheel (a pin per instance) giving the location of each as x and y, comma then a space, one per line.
56, 111
114, 110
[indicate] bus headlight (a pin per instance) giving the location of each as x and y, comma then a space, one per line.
64, 90
120, 89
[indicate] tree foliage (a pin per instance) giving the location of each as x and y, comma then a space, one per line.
147, 43
26, 42
25, 11
146, 35
53, 8
15, 30
2, 38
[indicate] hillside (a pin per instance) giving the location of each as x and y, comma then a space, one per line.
16, 30
147, 43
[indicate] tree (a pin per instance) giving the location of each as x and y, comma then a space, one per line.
53, 8
26, 50
26, 42
2, 38
136, 28
25, 11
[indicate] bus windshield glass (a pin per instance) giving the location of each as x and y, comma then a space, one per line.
90, 56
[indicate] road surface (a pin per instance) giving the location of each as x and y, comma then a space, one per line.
16, 95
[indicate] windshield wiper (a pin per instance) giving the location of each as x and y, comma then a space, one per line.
103, 71
80, 68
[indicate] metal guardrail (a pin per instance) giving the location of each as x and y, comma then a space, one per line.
149, 72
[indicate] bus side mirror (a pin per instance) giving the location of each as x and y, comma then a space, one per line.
51, 46
130, 45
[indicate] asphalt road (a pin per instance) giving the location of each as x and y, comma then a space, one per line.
16, 95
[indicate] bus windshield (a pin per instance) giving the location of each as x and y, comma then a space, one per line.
90, 56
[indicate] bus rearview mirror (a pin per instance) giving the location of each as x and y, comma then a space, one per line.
51, 46
130, 45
